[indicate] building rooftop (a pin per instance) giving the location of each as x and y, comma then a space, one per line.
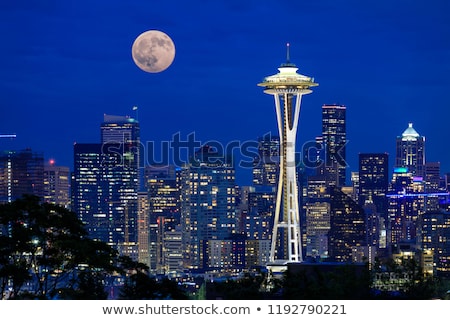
410, 132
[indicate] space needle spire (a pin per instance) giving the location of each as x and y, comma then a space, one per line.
287, 88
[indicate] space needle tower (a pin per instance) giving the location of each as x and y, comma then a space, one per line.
287, 88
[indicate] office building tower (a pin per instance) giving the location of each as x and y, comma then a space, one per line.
354, 179
57, 184
374, 180
103, 195
226, 256
410, 151
21, 172
375, 229
435, 236
287, 88
334, 135
408, 200
164, 218
208, 204
89, 192
432, 177
347, 233
143, 225
266, 166
259, 216
121, 135
318, 210
255, 220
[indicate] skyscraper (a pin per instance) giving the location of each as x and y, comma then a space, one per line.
318, 212
208, 204
348, 228
334, 138
435, 235
164, 218
105, 184
57, 184
89, 191
121, 135
266, 166
287, 88
432, 176
21, 172
374, 180
410, 151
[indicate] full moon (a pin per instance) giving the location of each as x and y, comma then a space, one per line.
153, 51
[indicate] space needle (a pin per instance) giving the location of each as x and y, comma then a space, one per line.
287, 88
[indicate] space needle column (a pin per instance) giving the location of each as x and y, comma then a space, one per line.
287, 87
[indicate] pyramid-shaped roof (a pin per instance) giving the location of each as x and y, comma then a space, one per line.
410, 132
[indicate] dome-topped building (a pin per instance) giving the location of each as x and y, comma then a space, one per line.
410, 151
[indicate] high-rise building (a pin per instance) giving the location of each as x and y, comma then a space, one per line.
434, 236
208, 204
410, 151
57, 184
347, 228
104, 194
432, 176
164, 217
374, 180
406, 202
266, 166
258, 220
121, 135
143, 226
318, 212
21, 172
334, 135
89, 192
287, 88
255, 216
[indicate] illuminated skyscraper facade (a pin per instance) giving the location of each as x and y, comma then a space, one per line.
435, 236
266, 166
374, 180
105, 184
347, 227
164, 218
57, 185
21, 172
410, 151
121, 135
208, 204
89, 192
318, 212
334, 139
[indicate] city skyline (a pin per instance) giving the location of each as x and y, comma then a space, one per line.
386, 62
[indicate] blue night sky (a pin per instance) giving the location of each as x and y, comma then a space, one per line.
66, 63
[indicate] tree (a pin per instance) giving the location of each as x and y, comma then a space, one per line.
340, 282
139, 285
247, 287
411, 281
45, 253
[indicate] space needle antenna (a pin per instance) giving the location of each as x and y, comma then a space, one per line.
287, 53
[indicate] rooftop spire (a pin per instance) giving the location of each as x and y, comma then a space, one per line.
287, 54
288, 57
